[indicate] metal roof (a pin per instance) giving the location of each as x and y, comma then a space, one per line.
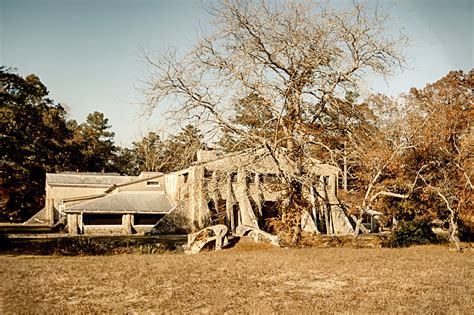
87, 179
144, 176
126, 201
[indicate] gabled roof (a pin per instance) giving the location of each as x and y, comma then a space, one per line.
126, 202
86, 179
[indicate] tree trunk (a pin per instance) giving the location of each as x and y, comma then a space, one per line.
358, 223
453, 231
344, 174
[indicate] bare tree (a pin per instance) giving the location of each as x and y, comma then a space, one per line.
298, 58
149, 152
176, 152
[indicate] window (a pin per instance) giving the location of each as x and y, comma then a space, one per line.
153, 183
211, 206
233, 177
207, 174
147, 218
102, 219
271, 179
185, 178
326, 180
250, 178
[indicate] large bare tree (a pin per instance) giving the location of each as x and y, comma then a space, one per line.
296, 59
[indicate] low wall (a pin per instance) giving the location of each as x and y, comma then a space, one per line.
13, 228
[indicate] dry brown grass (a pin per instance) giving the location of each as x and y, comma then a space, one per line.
248, 278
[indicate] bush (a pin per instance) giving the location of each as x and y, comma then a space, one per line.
78, 246
5, 243
411, 233
466, 231
154, 248
148, 249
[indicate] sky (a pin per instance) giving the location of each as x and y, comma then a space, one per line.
89, 52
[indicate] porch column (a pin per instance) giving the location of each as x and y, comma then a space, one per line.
127, 223
229, 203
72, 224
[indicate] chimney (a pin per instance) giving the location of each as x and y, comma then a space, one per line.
206, 155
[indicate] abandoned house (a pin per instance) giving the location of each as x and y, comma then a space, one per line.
95, 203
237, 189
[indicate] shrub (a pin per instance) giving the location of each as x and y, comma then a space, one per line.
147, 249
150, 249
466, 231
5, 243
411, 233
78, 246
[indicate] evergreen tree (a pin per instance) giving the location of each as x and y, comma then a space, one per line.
94, 142
33, 137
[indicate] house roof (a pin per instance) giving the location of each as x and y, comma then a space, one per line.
126, 202
261, 159
144, 176
87, 179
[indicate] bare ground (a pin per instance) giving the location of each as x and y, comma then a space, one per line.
247, 278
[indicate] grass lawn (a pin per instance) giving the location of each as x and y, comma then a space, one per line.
246, 278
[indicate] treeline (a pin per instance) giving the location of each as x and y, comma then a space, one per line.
410, 158
37, 137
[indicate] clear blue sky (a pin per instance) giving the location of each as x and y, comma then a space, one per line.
87, 52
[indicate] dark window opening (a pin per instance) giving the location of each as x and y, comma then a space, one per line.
326, 180
250, 178
211, 207
101, 219
270, 216
153, 183
271, 179
233, 177
235, 216
270, 209
147, 219
218, 215
185, 178
207, 173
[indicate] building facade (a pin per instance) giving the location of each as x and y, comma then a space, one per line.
237, 189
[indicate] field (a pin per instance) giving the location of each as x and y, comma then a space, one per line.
247, 278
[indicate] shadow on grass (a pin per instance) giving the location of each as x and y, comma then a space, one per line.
85, 246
